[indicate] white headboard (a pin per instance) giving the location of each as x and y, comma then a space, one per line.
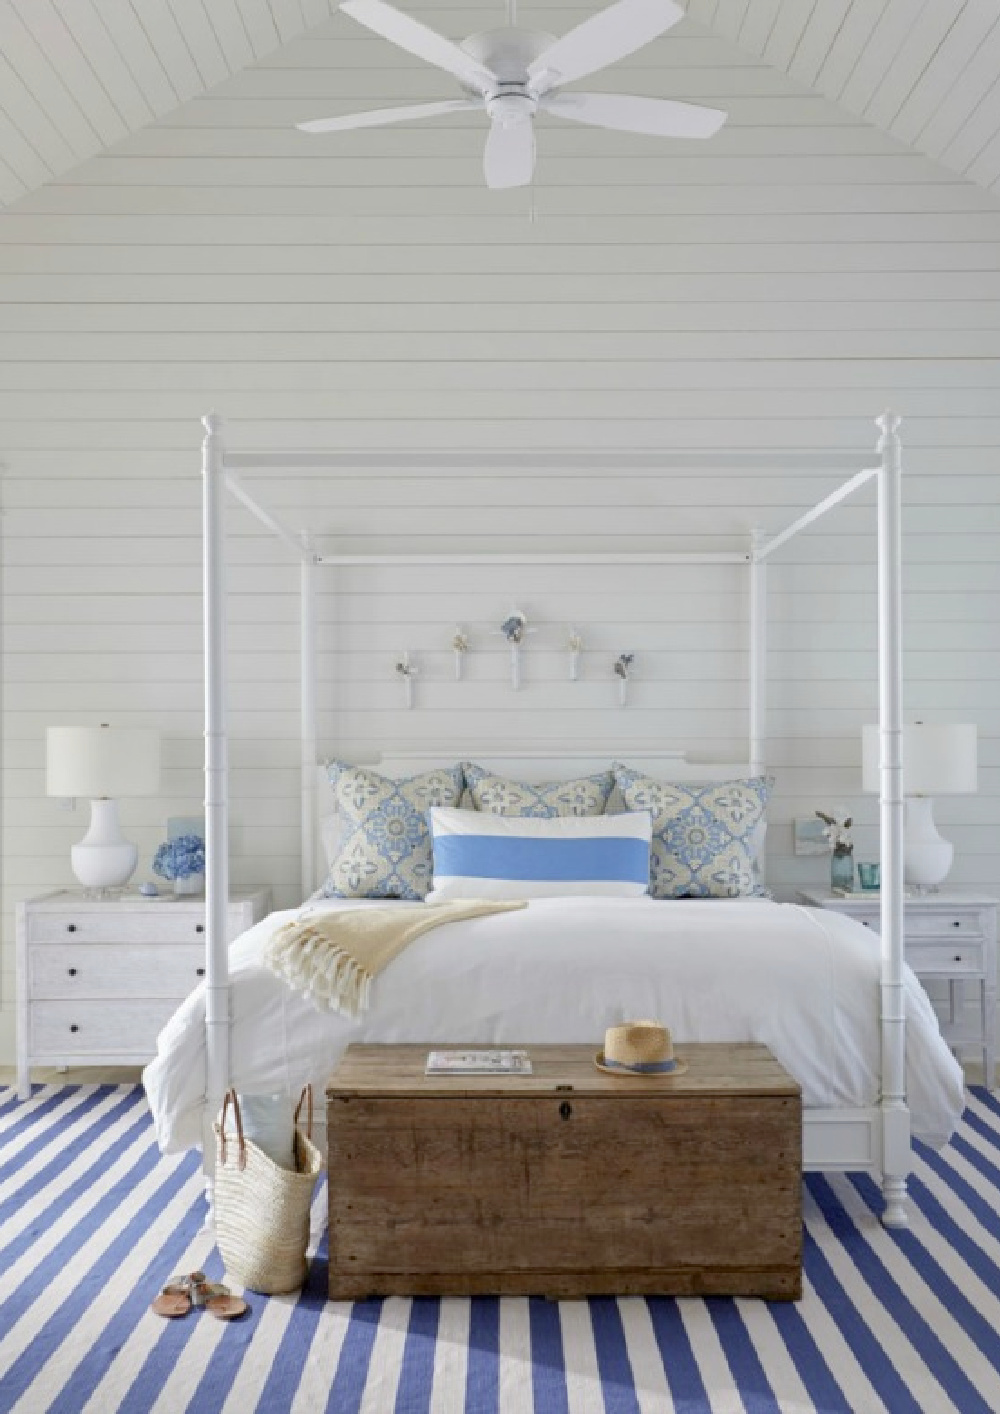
521, 765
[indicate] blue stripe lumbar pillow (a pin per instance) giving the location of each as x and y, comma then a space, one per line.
478, 855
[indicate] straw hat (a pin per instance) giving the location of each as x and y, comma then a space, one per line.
639, 1048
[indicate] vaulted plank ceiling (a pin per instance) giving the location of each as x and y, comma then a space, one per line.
78, 76
925, 71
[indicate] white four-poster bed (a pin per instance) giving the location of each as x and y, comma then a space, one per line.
875, 1137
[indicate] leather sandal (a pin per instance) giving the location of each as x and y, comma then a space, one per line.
204, 1291
171, 1304
181, 1293
227, 1308
177, 1297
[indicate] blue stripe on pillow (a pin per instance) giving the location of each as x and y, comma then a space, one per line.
494, 857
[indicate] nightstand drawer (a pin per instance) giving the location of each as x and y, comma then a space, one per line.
948, 923
159, 923
931, 927
937, 959
98, 1028
103, 970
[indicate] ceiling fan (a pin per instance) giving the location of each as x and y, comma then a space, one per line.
514, 73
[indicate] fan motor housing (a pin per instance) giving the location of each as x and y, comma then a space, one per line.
508, 52
511, 105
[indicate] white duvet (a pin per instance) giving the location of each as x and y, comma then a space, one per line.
802, 981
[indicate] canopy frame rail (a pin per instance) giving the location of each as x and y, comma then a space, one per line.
221, 468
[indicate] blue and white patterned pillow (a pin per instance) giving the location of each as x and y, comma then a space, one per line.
385, 844
588, 795
704, 835
481, 855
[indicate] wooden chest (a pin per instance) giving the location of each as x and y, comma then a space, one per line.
568, 1182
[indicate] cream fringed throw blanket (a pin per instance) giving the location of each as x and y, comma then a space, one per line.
333, 957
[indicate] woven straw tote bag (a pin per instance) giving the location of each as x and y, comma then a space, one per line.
262, 1209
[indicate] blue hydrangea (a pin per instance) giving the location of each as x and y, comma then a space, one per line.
180, 858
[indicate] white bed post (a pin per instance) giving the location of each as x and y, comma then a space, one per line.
216, 791
308, 757
758, 655
895, 1114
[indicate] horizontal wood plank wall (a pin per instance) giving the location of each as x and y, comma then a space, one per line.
774, 288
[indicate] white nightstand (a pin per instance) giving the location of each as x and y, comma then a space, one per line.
949, 937
97, 979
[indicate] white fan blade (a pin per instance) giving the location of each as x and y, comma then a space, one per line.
417, 39
660, 117
509, 160
378, 117
602, 40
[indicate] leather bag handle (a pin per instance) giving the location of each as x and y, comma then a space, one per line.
307, 1096
231, 1096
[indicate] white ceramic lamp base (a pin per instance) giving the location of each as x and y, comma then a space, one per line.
104, 859
927, 857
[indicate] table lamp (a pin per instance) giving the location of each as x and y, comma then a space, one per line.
938, 759
102, 763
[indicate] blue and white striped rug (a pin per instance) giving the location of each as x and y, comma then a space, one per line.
93, 1220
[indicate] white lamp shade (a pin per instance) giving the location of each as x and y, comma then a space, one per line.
938, 759
92, 762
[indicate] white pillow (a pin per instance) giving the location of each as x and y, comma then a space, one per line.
479, 855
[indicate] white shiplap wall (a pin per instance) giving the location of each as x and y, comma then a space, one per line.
774, 288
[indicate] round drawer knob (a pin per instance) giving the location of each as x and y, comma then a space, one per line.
74, 1027
70, 927
200, 971
565, 1109
199, 927
867, 924
958, 957
72, 971
957, 923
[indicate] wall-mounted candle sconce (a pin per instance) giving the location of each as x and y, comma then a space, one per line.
514, 629
623, 671
459, 648
407, 671
574, 647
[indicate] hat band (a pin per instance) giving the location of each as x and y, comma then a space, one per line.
643, 1067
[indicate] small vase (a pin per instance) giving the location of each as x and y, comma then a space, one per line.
193, 884
842, 870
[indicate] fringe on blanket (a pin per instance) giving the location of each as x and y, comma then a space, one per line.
324, 971
333, 958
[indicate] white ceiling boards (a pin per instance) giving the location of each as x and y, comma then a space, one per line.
925, 71
78, 77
